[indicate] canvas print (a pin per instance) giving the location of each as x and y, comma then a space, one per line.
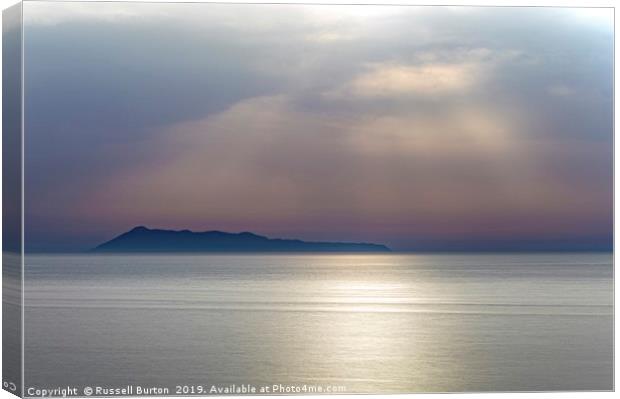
209, 199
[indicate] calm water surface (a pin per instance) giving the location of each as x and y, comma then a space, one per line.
370, 323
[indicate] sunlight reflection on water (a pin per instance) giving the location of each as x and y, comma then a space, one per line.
374, 323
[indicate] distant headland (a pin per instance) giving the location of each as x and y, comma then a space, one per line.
141, 239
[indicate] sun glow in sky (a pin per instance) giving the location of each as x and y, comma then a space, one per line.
418, 127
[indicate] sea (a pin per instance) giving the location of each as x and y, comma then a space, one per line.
319, 323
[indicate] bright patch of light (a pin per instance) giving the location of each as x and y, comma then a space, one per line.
603, 17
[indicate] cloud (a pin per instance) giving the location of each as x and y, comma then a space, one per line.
387, 80
427, 75
263, 165
389, 123
50, 14
560, 91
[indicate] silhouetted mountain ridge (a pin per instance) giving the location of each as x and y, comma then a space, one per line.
143, 239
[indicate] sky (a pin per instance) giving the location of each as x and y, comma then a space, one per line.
422, 128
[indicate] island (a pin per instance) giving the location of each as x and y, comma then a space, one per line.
143, 240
